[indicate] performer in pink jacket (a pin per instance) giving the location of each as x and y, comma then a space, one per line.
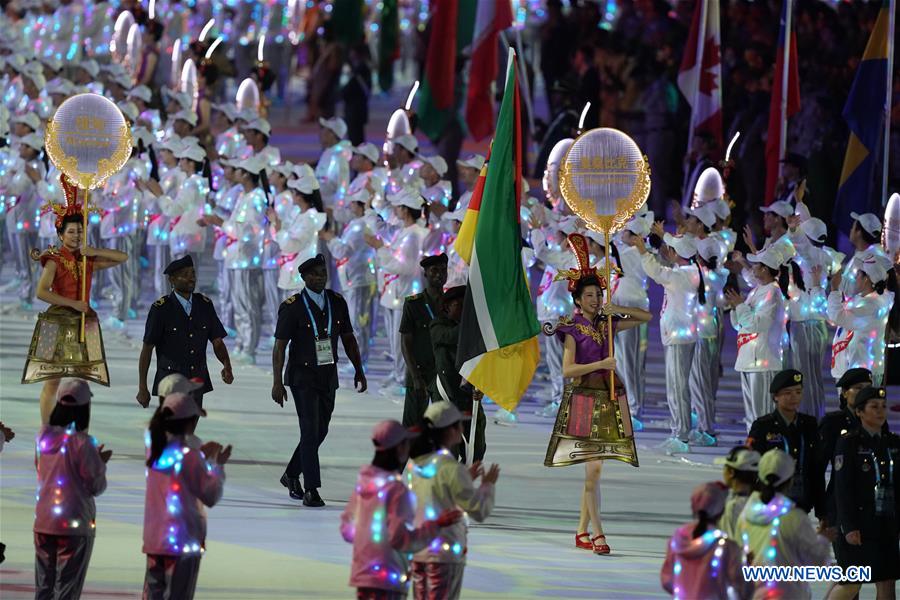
71, 470
379, 518
183, 477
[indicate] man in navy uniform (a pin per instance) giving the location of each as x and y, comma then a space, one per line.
312, 321
180, 326
787, 429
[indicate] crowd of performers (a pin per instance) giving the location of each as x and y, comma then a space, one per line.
361, 244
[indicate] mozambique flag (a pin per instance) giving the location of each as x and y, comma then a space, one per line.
498, 345
864, 113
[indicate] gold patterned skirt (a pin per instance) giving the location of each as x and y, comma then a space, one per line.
590, 426
56, 351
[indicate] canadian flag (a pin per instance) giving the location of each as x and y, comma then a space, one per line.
700, 75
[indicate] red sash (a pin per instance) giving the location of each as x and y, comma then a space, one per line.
839, 347
745, 338
388, 279
286, 258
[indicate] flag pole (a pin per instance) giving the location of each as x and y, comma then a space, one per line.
887, 105
785, 79
473, 426
701, 50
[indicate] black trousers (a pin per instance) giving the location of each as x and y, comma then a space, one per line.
60, 565
314, 407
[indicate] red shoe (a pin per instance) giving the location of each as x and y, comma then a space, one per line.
600, 548
583, 541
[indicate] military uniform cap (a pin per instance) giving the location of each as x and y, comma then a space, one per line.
430, 261
853, 376
178, 264
785, 379
317, 261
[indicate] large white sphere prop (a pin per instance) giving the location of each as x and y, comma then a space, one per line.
88, 139
605, 179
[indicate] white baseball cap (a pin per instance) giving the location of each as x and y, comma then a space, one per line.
141, 133
640, 224
721, 208
285, 168
304, 184
90, 65
388, 434
778, 464
408, 142
873, 268
130, 110
740, 459
51, 62
815, 229
781, 208
868, 221
177, 383
705, 213
437, 163
31, 119
261, 125
476, 161
443, 414
61, 87
335, 124
183, 406
769, 256
407, 197
73, 392
33, 140
367, 150
684, 246
255, 164
141, 92
229, 109
191, 151
709, 247
188, 116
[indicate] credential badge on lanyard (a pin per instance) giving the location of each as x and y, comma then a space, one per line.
324, 355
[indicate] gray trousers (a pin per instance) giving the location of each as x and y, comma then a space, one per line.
631, 355
20, 244
392, 330
160, 255
809, 342
704, 382
272, 294
437, 581
247, 291
125, 279
757, 400
226, 306
553, 352
171, 577
60, 565
678, 393
361, 302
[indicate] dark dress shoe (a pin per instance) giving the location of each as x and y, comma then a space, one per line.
312, 498
295, 490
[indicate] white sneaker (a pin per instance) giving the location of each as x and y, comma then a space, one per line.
505, 418
549, 411
114, 323
701, 438
674, 446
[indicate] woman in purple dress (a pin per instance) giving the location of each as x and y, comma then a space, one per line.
590, 426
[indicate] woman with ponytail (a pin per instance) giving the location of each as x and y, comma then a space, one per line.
861, 320
776, 532
183, 477
759, 322
701, 560
682, 283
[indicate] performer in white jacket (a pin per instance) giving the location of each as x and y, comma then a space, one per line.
678, 326
865, 235
861, 320
20, 191
398, 259
356, 267
188, 204
296, 229
760, 323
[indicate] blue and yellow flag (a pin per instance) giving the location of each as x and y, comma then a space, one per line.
864, 114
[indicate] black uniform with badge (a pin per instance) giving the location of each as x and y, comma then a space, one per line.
180, 339
800, 439
311, 371
419, 310
865, 472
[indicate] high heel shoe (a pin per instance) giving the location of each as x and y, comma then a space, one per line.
600, 548
583, 541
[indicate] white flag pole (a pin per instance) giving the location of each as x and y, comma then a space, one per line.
785, 79
887, 104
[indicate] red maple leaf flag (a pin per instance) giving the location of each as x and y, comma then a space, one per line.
700, 75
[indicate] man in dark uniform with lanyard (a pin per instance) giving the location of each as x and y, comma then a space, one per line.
179, 326
312, 321
831, 428
794, 433
419, 310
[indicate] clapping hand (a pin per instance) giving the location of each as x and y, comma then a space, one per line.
748, 239
492, 475
733, 298
476, 470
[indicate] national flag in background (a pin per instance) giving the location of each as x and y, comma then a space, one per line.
773, 139
700, 75
864, 113
492, 18
451, 25
498, 345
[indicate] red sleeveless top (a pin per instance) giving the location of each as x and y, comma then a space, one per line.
67, 281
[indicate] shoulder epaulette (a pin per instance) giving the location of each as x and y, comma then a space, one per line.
291, 299
414, 296
205, 297
161, 301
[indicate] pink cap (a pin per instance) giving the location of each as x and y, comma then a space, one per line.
388, 434
709, 497
183, 406
73, 392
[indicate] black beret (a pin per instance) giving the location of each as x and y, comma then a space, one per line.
178, 264
430, 261
853, 376
455, 293
317, 261
866, 394
785, 379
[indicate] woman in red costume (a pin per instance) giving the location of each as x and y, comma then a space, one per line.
57, 349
